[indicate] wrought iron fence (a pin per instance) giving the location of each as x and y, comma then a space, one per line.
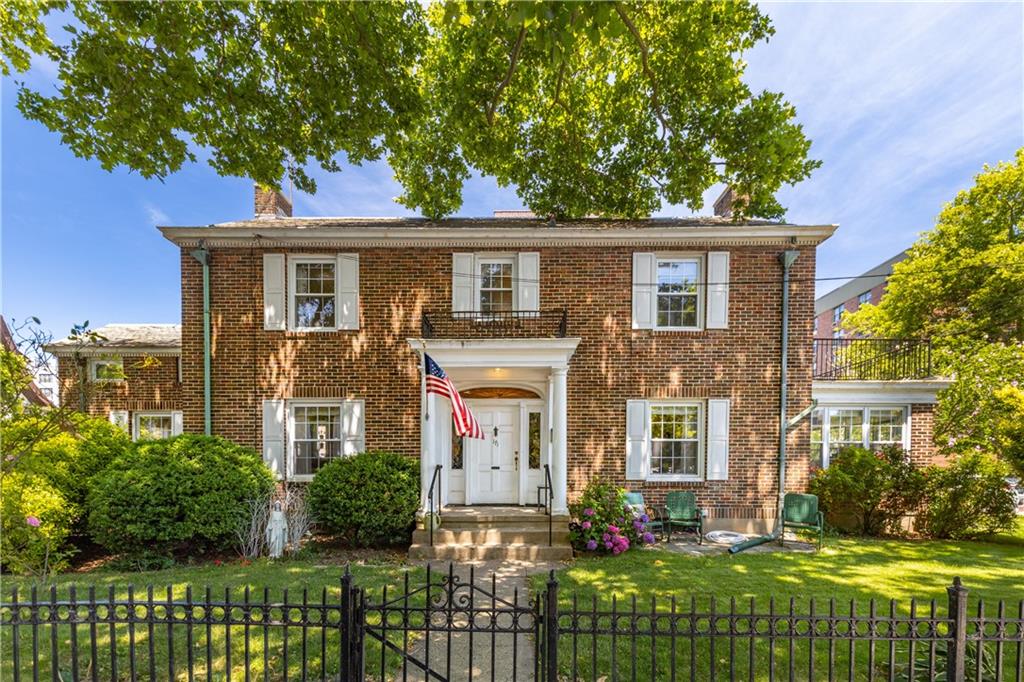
477, 324
450, 626
847, 359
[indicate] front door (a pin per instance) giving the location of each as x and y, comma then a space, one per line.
494, 460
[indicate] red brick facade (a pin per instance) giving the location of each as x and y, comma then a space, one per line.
613, 362
150, 384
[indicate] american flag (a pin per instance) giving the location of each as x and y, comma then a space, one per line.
439, 383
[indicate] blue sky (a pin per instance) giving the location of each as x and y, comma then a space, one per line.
904, 102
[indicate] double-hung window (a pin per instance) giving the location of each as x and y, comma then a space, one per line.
864, 298
496, 291
314, 301
677, 291
835, 428
153, 425
322, 431
106, 369
676, 440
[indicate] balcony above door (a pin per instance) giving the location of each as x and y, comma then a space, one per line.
504, 324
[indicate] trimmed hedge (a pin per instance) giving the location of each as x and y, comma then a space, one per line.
187, 493
368, 499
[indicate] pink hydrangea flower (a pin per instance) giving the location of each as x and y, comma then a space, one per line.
32, 521
613, 529
585, 525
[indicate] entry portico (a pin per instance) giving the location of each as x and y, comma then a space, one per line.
528, 417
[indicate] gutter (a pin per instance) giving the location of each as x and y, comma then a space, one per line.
203, 256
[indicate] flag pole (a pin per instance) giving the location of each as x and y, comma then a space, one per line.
423, 382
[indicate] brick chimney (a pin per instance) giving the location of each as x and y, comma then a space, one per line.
723, 204
270, 203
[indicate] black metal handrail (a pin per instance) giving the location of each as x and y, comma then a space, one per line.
479, 324
547, 504
871, 359
435, 480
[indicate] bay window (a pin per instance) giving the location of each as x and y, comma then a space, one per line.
836, 427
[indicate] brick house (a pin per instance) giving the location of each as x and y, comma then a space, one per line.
646, 352
132, 376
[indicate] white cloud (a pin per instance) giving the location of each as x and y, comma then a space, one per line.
156, 215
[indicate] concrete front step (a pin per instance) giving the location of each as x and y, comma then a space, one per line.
501, 535
514, 551
522, 517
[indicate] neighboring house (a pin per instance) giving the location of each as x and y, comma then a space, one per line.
132, 376
866, 288
870, 392
33, 394
46, 379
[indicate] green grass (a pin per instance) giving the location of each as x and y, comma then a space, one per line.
846, 569
311, 579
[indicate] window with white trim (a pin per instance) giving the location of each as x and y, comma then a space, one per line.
496, 291
864, 298
106, 369
676, 440
321, 431
152, 425
834, 428
314, 300
678, 304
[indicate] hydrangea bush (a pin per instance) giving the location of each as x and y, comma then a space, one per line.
602, 522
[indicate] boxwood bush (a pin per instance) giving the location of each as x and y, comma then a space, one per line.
181, 494
968, 498
368, 499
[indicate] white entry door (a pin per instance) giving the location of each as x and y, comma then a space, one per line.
494, 460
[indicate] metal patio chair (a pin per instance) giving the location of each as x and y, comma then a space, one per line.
655, 523
681, 511
800, 512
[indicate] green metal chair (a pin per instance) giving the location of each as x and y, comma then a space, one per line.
655, 523
681, 511
800, 512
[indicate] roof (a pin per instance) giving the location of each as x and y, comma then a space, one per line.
402, 232
32, 393
858, 285
149, 338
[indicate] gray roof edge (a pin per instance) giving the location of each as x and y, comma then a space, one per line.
856, 286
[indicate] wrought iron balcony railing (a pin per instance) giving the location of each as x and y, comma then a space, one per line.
477, 324
852, 359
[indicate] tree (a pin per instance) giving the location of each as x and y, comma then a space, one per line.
962, 282
585, 108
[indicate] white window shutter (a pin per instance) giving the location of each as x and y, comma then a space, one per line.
462, 282
352, 425
718, 290
644, 280
274, 317
638, 440
273, 437
718, 439
120, 418
528, 273
347, 276
177, 423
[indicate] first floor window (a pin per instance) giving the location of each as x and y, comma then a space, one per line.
314, 300
835, 428
675, 440
678, 300
150, 426
323, 431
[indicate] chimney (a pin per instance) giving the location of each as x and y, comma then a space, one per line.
270, 203
723, 204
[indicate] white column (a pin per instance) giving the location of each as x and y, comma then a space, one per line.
428, 449
560, 452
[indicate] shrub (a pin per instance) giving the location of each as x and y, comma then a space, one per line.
868, 492
35, 522
603, 522
182, 493
368, 499
967, 499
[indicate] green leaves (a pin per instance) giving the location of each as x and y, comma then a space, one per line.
585, 108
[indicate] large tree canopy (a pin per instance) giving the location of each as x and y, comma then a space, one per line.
584, 107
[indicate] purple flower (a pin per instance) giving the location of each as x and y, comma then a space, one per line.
591, 545
585, 525
607, 545
588, 512
32, 521
638, 524
649, 538
613, 529
606, 537
645, 518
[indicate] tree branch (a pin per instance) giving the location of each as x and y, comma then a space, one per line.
644, 54
508, 75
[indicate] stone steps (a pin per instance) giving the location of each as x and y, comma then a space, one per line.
493, 533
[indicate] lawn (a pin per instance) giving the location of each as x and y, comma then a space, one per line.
315, 581
846, 570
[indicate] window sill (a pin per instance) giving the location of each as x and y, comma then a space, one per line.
677, 329
673, 478
313, 330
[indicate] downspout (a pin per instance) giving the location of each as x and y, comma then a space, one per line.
786, 258
203, 256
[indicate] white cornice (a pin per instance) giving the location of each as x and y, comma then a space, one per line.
102, 351
867, 392
496, 237
498, 352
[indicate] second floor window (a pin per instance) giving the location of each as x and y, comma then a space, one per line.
106, 369
496, 291
314, 300
678, 305
864, 298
